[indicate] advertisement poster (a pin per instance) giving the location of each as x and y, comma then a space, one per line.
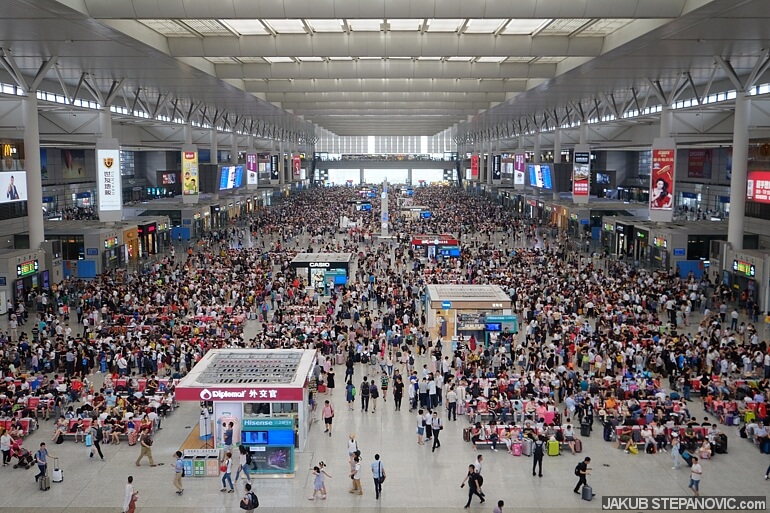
14, 185
108, 180
73, 164
758, 186
474, 166
251, 169
43, 164
190, 173
274, 172
496, 162
662, 180
296, 164
699, 163
519, 165
581, 175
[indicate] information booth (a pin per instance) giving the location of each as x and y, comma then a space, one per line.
455, 310
322, 271
265, 394
432, 245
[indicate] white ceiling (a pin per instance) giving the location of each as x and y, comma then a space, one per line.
385, 67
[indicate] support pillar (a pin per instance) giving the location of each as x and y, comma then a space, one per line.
739, 173
281, 167
490, 166
188, 133
557, 146
233, 148
32, 164
361, 176
214, 147
538, 152
105, 123
583, 132
409, 176
666, 117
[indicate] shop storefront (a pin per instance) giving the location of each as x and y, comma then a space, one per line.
455, 310
130, 245
148, 239
659, 251
21, 271
608, 237
624, 238
322, 271
641, 251
747, 274
271, 418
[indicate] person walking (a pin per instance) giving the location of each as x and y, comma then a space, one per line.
374, 393
420, 427
378, 473
352, 447
695, 474
355, 476
319, 486
249, 502
365, 395
41, 458
145, 449
472, 479
350, 394
328, 415
244, 460
96, 433
675, 447
499, 507
582, 471
436, 427
6, 440
131, 496
538, 451
451, 404
398, 392
178, 473
227, 470
227, 436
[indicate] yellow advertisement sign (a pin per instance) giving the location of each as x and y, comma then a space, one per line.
190, 173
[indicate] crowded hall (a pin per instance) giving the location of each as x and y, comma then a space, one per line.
254, 253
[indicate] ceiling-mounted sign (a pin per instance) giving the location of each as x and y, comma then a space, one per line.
27, 268
108, 180
274, 174
296, 165
474, 166
581, 174
190, 173
662, 182
496, 163
446, 305
519, 167
659, 242
744, 268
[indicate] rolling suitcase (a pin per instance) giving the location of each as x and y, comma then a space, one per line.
133, 435
340, 358
578, 445
467, 434
45, 482
516, 449
587, 494
585, 430
553, 447
526, 447
58, 473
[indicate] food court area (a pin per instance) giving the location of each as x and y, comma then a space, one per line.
239, 342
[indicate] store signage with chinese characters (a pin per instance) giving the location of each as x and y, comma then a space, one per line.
744, 268
581, 173
758, 186
660, 242
435, 242
609, 227
108, 178
246, 394
110, 242
27, 268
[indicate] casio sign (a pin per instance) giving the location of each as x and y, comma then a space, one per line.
318, 264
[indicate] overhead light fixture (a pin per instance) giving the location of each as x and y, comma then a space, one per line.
385, 26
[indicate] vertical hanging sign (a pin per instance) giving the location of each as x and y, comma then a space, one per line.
190, 175
108, 179
662, 180
581, 174
474, 166
496, 163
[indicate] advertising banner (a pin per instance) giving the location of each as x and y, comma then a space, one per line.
699, 163
252, 177
296, 165
15, 186
274, 175
662, 184
581, 174
519, 168
474, 166
74, 164
758, 186
108, 180
496, 162
190, 177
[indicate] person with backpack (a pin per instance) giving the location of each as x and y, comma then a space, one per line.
374, 393
350, 394
474, 486
96, 434
249, 502
582, 472
538, 451
365, 395
145, 442
244, 461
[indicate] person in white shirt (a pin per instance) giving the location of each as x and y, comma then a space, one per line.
695, 474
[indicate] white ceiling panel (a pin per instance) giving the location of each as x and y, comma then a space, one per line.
603, 27
483, 26
168, 28
404, 24
325, 25
444, 25
371, 25
247, 27
207, 27
287, 26
563, 27
523, 26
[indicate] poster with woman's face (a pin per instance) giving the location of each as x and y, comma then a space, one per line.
662, 180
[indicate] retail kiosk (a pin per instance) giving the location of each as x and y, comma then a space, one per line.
464, 309
433, 245
323, 271
266, 394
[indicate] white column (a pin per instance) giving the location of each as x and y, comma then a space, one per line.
188, 133
32, 164
251, 142
557, 146
489, 163
538, 152
105, 123
233, 148
739, 174
214, 147
583, 132
281, 170
666, 117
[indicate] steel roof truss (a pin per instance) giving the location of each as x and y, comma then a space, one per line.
730, 72
115, 88
9, 63
759, 68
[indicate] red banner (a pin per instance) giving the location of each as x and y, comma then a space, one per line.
244, 394
474, 166
758, 186
296, 164
699, 163
662, 180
